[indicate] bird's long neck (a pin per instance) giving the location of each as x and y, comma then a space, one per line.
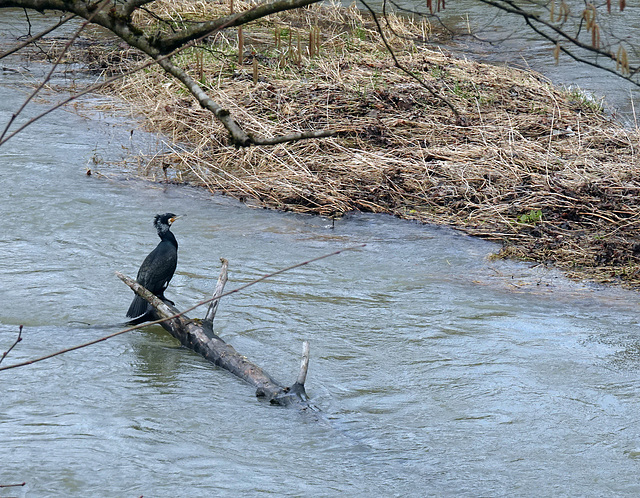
167, 236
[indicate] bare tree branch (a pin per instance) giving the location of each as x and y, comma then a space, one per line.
304, 364
53, 68
131, 5
13, 485
35, 38
238, 135
4, 355
534, 21
422, 83
582, 60
171, 42
75, 96
207, 323
162, 48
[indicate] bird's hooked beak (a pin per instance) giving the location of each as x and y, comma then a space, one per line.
171, 220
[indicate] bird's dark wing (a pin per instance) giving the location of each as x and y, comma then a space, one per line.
158, 268
155, 273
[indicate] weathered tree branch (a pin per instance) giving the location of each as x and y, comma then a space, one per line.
304, 365
18, 339
171, 42
51, 71
35, 38
214, 349
161, 48
13, 485
207, 323
422, 83
238, 136
89, 89
131, 5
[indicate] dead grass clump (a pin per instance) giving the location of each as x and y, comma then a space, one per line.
538, 168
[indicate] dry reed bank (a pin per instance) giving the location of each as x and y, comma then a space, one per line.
539, 168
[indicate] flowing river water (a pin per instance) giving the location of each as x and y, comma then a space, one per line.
440, 371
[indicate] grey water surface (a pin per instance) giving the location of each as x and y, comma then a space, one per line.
441, 372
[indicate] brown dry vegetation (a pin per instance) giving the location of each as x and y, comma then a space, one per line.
538, 168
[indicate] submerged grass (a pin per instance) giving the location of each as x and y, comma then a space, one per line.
539, 168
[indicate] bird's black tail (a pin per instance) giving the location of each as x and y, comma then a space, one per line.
138, 307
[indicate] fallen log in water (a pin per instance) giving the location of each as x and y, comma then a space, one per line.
199, 336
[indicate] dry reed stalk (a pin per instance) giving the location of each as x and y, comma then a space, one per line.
254, 65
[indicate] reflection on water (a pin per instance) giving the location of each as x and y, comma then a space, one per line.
442, 372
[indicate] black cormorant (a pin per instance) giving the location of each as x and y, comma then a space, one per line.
157, 269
